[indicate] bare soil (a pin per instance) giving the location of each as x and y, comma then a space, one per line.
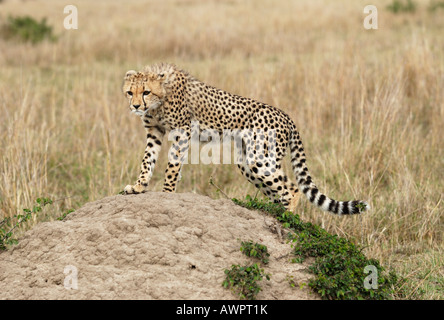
147, 246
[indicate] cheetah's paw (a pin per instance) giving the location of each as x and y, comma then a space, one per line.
129, 189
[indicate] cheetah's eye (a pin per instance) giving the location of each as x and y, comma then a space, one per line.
129, 93
145, 93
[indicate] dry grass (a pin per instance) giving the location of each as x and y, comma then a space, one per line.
369, 106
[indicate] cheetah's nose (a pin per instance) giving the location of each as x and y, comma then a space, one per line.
136, 106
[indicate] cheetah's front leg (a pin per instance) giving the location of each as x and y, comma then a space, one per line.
153, 145
176, 157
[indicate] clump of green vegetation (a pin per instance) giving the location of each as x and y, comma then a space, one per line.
277, 210
342, 276
398, 6
255, 250
243, 280
340, 265
9, 224
27, 29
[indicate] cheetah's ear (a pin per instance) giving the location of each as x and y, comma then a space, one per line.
130, 73
158, 76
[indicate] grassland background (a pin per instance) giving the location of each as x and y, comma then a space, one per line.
369, 105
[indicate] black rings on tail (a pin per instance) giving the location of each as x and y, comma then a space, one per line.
310, 190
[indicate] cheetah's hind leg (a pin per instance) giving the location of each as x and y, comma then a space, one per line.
276, 187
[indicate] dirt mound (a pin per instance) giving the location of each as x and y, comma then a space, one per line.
146, 246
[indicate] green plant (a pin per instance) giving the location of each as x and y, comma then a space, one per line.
27, 29
63, 216
272, 208
9, 224
398, 6
313, 241
243, 280
341, 276
277, 210
339, 267
255, 250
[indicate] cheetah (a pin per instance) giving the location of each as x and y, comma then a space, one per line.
167, 98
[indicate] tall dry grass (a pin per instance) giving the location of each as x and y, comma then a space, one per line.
369, 106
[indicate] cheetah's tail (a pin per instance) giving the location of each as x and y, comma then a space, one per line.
310, 190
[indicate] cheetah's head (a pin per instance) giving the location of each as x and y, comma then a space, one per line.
143, 91
148, 90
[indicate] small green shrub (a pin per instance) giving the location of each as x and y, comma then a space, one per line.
243, 280
27, 29
255, 250
315, 242
8, 225
398, 6
340, 276
339, 265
